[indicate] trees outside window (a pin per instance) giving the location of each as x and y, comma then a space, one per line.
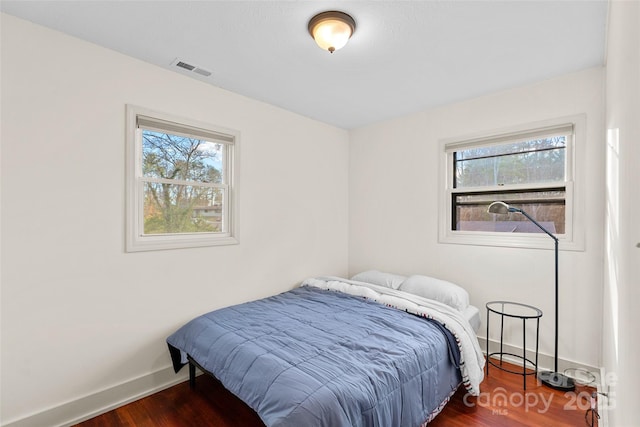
171, 205
528, 174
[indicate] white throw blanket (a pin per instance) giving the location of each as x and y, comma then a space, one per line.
471, 357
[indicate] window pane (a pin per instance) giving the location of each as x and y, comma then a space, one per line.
177, 157
546, 207
170, 208
535, 161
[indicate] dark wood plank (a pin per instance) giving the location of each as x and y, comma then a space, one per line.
502, 403
209, 404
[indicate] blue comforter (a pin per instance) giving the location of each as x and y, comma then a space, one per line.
310, 357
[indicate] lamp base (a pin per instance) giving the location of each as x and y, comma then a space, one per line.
557, 381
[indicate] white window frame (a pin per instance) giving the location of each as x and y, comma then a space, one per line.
135, 238
573, 239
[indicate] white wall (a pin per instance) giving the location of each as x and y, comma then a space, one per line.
621, 344
79, 315
393, 211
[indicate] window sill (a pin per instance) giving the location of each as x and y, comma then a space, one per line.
158, 243
508, 240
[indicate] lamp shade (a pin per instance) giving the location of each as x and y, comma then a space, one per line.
498, 208
332, 30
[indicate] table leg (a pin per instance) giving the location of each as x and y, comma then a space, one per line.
524, 354
488, 342
537, 339
501, 335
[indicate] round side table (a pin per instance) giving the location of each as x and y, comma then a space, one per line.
523, 312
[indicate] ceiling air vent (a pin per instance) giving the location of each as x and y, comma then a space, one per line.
185, 66
202, 71
192, 68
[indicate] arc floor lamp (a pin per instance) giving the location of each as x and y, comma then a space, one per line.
551, 379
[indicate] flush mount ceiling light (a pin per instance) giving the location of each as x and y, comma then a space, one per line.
332, 30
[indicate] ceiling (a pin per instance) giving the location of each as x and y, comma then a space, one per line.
405, 56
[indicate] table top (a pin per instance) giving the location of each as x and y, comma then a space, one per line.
514, 309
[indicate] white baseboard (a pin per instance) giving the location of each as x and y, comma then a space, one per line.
603, 401
76, 411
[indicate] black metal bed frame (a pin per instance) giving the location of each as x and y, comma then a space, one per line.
192, 371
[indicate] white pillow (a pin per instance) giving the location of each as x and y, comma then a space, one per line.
436, 289
375, 277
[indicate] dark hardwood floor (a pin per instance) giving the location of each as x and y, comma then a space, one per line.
502, 403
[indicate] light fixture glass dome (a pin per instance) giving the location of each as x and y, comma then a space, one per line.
332, 30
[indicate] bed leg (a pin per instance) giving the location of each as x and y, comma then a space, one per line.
192, 375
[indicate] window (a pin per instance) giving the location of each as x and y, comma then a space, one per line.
181, 190
529, 168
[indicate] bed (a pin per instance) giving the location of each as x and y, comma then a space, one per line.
337, 353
